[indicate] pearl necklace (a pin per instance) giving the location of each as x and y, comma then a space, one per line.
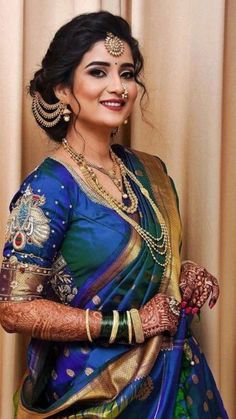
160, 244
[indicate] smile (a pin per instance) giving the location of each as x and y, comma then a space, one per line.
113, 105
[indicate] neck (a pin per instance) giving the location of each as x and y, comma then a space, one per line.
94, 144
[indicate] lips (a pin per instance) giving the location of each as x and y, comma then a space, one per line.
113, 104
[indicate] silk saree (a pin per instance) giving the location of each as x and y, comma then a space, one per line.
65, 244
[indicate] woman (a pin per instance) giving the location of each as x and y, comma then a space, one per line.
91, 264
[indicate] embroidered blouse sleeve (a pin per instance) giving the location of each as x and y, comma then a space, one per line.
40, 215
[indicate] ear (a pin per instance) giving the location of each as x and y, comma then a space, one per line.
62, 93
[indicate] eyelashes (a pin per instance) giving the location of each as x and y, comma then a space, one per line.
96, 72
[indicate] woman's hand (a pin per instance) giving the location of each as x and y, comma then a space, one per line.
160, 314
197, 285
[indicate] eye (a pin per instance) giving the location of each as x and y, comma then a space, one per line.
128, 75
96, 72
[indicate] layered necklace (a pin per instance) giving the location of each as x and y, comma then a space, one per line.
156, 245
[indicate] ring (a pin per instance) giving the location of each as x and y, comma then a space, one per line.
174, 306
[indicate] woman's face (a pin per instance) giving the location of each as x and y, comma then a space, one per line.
98, 84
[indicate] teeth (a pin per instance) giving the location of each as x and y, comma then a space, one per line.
117, 104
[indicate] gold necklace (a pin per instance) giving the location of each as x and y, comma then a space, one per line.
160, 244
111, 174
92, 179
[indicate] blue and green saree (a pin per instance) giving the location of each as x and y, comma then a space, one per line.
65, 244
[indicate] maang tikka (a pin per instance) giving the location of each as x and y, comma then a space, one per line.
56, 110
114, 45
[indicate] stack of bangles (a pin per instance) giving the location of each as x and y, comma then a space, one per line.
119, 327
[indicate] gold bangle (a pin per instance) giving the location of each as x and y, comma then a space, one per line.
129, 326
137, 325
87, 325
115, 326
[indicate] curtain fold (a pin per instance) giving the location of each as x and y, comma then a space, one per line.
190, 74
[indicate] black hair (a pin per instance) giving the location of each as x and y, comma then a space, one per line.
66, 51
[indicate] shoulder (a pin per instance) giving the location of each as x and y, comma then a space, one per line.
141, 156
153, 166
50, 179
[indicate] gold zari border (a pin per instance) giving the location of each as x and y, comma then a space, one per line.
133, 365
22, 281
166, 200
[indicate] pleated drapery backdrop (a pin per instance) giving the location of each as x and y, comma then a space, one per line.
190, 73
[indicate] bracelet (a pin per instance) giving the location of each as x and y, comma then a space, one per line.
120, 327
115, 326
106, 326
129, 327
122, 334
87, 325
137, 325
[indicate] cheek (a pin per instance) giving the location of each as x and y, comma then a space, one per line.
133, 92
86, 90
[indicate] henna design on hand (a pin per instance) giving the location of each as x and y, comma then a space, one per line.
157, 316
48, 320
197, 285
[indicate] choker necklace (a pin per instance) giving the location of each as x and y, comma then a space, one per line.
156, 245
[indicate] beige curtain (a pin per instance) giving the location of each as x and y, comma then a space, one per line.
190, 73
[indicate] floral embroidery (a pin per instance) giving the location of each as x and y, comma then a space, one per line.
62, 282
14, 284
27, 223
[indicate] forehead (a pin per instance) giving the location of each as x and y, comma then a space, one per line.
98, 52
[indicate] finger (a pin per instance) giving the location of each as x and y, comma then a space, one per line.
215, 294
187, 293
200, 298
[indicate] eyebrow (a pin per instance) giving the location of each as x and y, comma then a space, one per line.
106, 64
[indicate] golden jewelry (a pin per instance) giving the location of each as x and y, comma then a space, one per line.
174, 306
129, 323
125, 93
92, 181
115, 326
87, 325
110, 173
159, 244
137, 325
150, 240
56, 110
114, 45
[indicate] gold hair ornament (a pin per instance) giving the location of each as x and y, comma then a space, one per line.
114, 45
56, 110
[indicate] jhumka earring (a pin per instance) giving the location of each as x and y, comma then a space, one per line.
114, 45
47, 114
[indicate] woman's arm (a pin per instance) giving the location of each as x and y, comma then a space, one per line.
48, 320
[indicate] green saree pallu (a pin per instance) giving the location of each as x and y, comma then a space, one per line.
77, 251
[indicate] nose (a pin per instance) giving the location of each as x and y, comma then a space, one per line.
115, 85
